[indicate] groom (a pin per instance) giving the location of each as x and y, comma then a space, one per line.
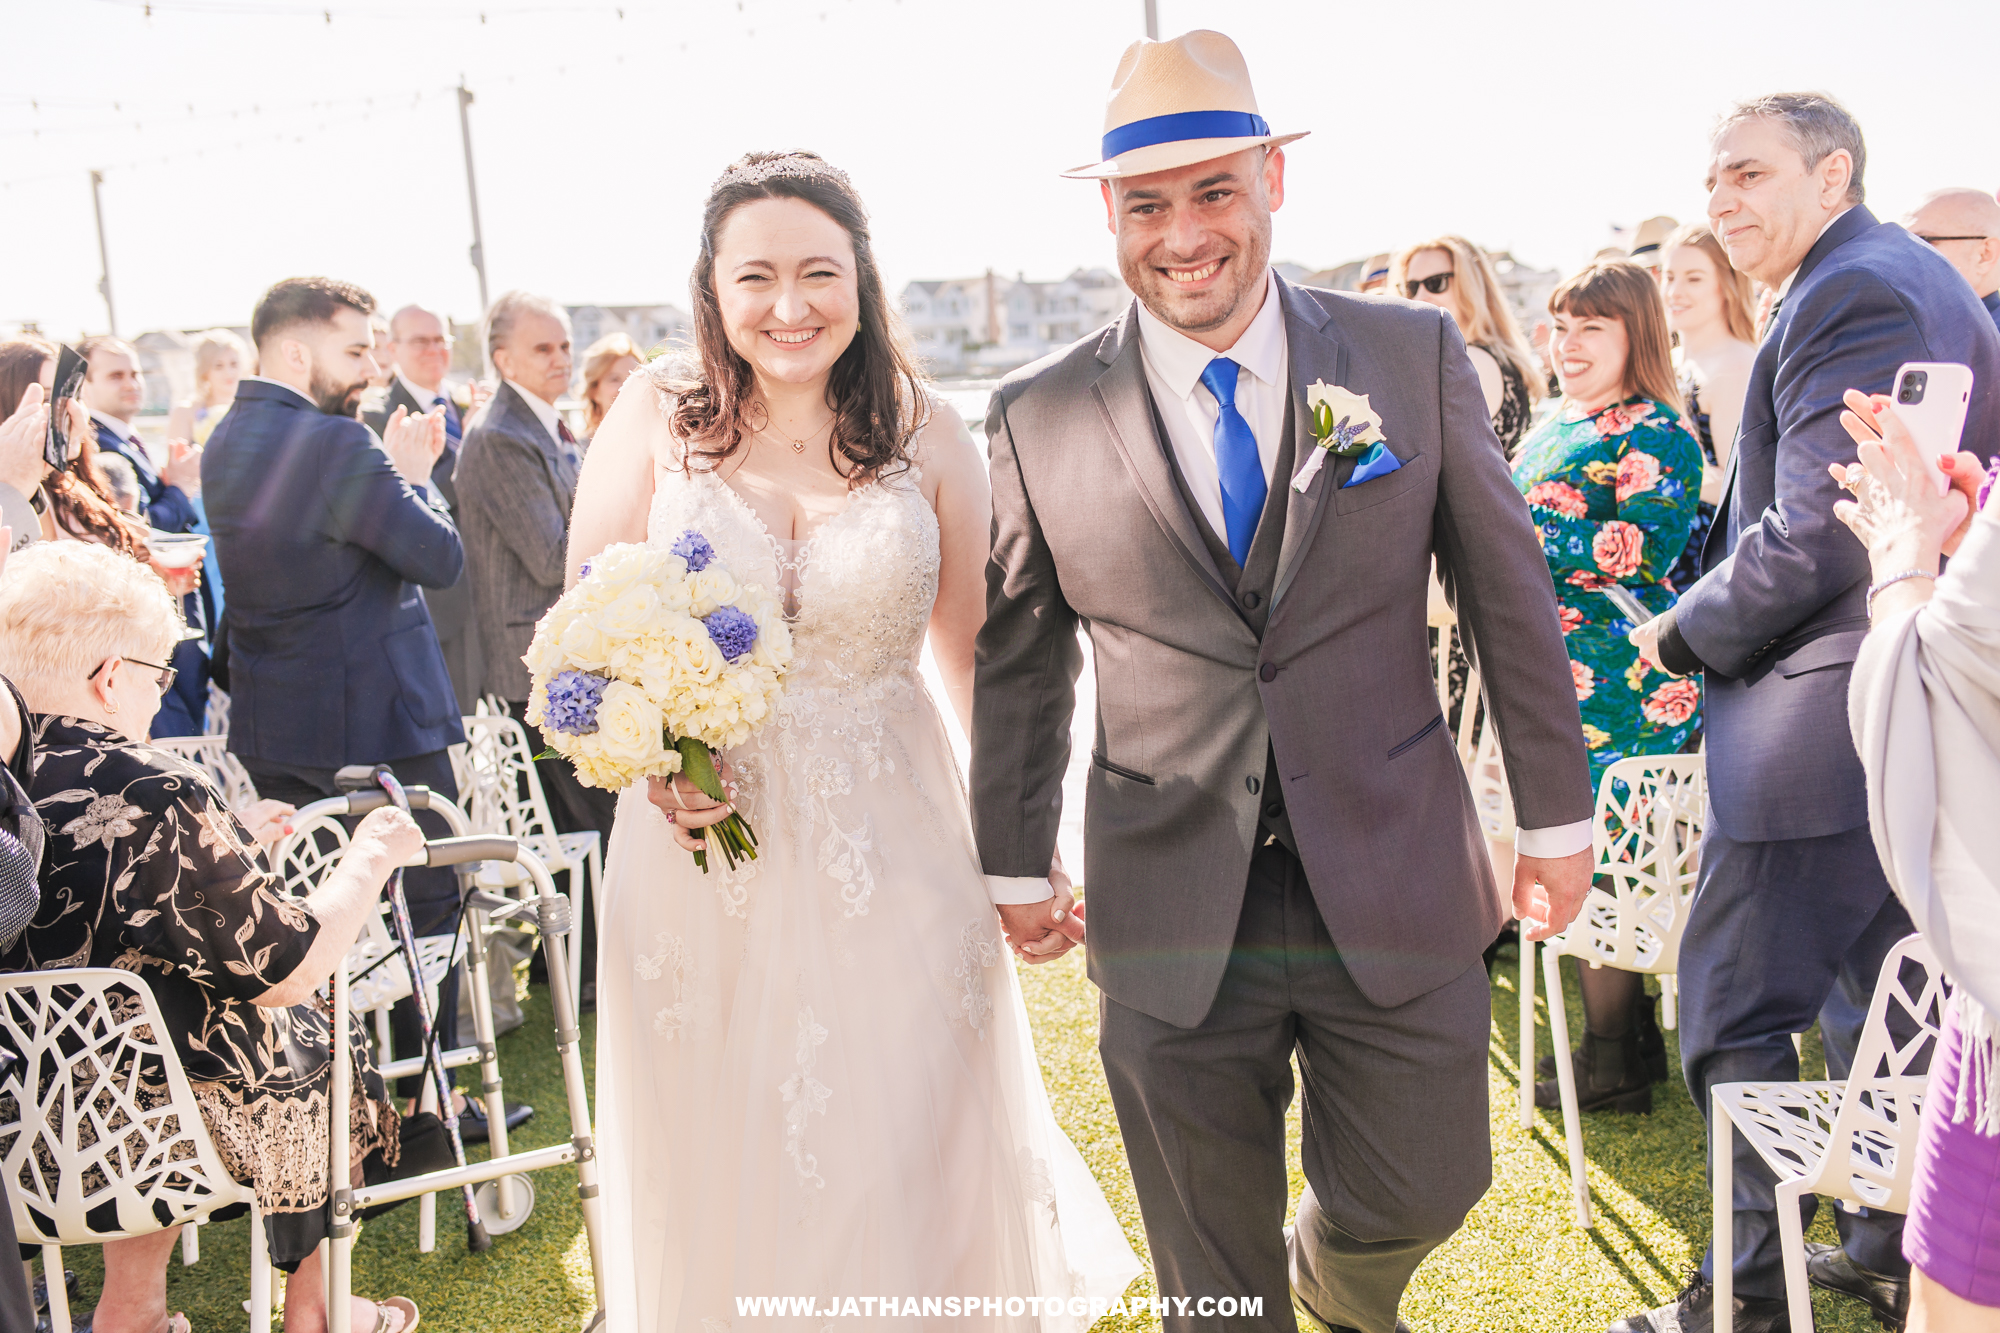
1281, 848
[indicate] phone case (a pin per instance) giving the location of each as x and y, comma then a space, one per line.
1937, 418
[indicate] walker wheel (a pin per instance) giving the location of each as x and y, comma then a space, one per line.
487, 1193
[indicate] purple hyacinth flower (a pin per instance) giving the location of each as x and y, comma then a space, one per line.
692, 547
734, 632
570, 703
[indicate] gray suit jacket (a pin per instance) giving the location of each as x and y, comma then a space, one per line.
515, 487
1088, 526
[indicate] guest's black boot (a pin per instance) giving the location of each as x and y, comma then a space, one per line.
1652, 1042
1610, 1076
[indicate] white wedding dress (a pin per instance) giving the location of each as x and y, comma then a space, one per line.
815, 1076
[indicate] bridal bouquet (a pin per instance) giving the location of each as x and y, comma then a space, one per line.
655, 660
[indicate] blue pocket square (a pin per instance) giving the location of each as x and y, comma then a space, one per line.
1377, 462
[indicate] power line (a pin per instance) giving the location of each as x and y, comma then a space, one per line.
327, 13
169, 122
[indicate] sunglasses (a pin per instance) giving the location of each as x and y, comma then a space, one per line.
1437, 284
1933, 240
168, 675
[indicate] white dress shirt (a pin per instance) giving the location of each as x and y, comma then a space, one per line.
426, 398
545, 412
1174, 363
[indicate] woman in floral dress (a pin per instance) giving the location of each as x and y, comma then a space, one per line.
1612, 483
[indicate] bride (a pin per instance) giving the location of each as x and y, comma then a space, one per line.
815, 1075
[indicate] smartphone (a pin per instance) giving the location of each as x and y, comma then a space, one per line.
1932, 398
1621, 597
71, 367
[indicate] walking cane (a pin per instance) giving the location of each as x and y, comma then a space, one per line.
476, 1239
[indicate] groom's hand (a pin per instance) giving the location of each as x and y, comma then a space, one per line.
1044, 931
1548, 892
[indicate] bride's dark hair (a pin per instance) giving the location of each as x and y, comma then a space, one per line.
875, 391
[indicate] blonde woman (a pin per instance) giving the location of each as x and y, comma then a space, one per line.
145, 868
1713, 319
607, 364
220, 360
1453, 274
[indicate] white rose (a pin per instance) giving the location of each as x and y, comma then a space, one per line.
629, 727
1348, 405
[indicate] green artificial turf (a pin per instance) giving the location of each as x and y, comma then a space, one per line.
1520, 1262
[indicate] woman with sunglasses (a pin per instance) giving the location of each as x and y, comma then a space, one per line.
1453, 274
145, 868
1612, 482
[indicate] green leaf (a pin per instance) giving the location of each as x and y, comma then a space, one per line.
699, 767
1322, 422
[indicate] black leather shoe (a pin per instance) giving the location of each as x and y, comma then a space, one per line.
1693, 1311
1610, 1076
1312, 1323
472, 1120
1888, 1298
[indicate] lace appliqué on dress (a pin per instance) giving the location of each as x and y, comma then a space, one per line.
976, 952
673, 954
805, 1096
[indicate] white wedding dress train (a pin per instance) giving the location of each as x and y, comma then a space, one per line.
815, 1077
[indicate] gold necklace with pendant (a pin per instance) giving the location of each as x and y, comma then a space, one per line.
798, 446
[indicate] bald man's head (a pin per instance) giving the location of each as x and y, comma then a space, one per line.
1964, 227
420, 344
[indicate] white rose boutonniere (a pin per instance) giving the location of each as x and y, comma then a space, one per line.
1345, 426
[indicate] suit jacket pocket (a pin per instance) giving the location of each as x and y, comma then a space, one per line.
1411, 742
1838, 649
1414, 472
1132, 773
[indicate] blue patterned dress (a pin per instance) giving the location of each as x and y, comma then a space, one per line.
1613, 494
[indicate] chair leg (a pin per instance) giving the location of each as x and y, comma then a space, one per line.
1670, 995
1527, 989
1792, 1240
190, 1244
1722, 1234
260, 1273
52, 1278
1579, 1177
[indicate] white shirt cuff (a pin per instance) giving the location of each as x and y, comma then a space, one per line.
1549, 844
1008, 890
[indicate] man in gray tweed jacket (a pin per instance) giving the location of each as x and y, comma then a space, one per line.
516, 478
1280, 846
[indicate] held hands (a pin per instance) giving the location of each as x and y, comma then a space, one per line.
415, 443
1548, 893
688, 808
1897, 510
1044, 931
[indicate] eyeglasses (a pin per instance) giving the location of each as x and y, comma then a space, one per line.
430, 344
1933, 240
1437, 284
168, 675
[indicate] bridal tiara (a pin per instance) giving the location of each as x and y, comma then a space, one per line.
791, 164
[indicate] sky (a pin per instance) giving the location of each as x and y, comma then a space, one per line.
1530, 125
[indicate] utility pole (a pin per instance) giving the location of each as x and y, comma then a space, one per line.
103, 252
1153, 20
472, 190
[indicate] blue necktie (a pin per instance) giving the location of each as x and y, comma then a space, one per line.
453, 430
1236, 461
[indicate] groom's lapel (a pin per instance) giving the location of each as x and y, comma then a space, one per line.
1315, 355
1127, 407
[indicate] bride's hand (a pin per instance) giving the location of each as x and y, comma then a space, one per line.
1044, 931
687, 807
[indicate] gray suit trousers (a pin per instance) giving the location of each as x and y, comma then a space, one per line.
1395, 1121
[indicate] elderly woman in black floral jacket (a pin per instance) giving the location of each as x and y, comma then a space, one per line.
146, 869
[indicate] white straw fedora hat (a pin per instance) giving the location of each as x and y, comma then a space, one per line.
1177, 102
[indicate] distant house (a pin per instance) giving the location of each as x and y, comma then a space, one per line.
990, 324
649, 326
166, 359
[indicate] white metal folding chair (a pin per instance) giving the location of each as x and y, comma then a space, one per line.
1648, 844
92, 1149
211, 755
1852, 1140
503, 796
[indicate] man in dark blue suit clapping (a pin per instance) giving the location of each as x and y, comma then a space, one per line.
1792, 915
326, 534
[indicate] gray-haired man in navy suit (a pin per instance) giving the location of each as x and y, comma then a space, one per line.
1792, 916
